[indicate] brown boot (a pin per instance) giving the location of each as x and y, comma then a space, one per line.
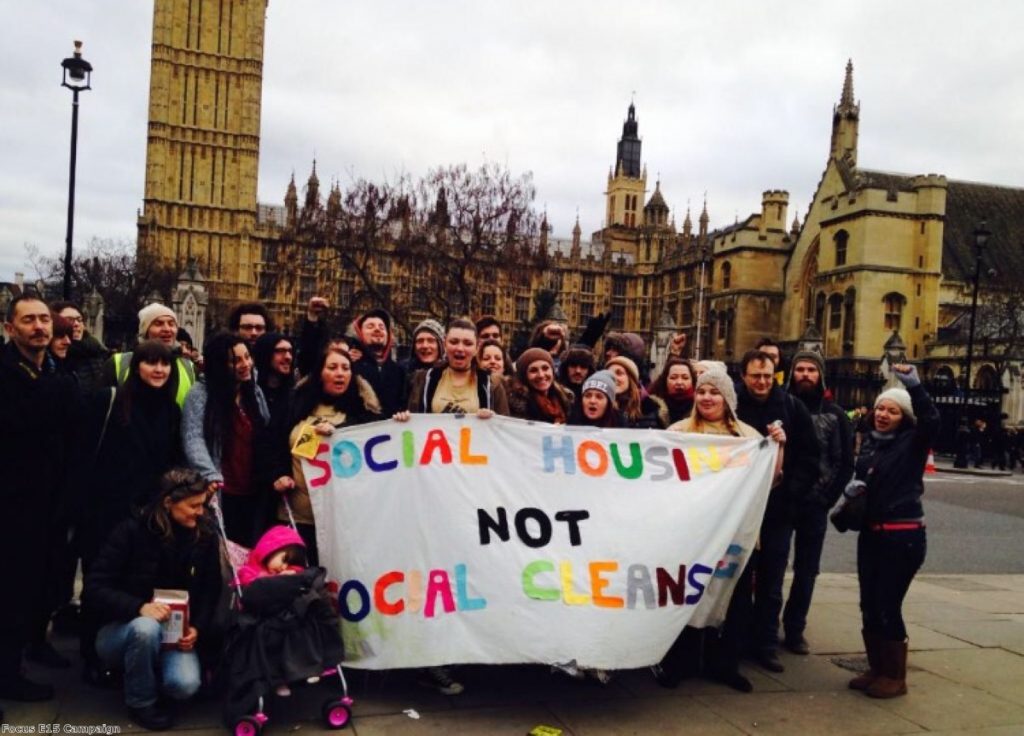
893, 681
861, 682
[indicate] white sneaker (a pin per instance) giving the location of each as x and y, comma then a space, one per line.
569, 669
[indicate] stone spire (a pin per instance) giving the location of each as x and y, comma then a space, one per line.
291, 203
703, 220
577, 232
312, 190
846, 100
334, 203
687, 224
845, 122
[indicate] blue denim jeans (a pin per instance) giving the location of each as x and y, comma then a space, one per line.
134, 647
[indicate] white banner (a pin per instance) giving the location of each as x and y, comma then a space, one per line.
461, 540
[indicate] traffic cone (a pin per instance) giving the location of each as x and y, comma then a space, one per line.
929, 466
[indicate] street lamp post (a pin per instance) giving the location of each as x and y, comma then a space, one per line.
77, 78
981, 235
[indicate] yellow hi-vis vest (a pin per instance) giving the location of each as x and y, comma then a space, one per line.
186, 374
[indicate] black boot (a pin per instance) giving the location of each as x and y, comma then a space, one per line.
43, 653
20, 688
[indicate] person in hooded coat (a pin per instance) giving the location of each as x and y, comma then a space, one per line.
287, 630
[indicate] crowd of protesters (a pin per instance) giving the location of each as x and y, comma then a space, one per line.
110, 461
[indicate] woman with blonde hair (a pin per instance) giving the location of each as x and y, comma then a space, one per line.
716, 654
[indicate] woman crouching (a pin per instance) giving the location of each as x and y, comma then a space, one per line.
170, 546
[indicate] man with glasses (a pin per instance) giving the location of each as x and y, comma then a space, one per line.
760, 403
87, 355
274, 357
250, 321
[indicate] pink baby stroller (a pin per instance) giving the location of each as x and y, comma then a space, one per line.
284, 629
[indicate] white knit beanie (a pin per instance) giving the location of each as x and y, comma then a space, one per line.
720, 380
149, 313
901, 398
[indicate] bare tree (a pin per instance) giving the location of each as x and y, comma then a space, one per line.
417, 248
114, 270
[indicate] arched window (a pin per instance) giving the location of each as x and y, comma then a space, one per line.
835, 312
986, 379
893, 302
849, 321
726, 275
840, 239
819, 311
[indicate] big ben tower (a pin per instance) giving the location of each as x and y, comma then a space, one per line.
202, 154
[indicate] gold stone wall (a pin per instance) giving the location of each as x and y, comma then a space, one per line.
202, 154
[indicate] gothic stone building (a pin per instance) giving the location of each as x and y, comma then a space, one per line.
878, 254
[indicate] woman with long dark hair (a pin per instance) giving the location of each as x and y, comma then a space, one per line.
221, 423
171, 546
129, 437
331, 397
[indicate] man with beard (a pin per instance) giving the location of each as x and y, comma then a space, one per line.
835, 468
761, 403
38, 416
377, 366
250, 322
274, 358
489, 328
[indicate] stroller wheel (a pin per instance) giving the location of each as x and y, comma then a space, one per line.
248, 726
336, 714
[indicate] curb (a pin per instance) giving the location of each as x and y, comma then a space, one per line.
976, 472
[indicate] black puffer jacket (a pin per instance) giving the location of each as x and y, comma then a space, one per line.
893, 465
136, 560
86, 358
800, 462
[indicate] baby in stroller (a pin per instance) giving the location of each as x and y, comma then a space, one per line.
286, 629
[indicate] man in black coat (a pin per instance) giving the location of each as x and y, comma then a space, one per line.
38, 415
760, 402
835, 468
377, 366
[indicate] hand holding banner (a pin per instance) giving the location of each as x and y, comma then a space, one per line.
460, 540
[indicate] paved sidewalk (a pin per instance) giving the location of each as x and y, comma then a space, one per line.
966, 677
944, 464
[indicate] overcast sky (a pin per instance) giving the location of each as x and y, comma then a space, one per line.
732, 98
